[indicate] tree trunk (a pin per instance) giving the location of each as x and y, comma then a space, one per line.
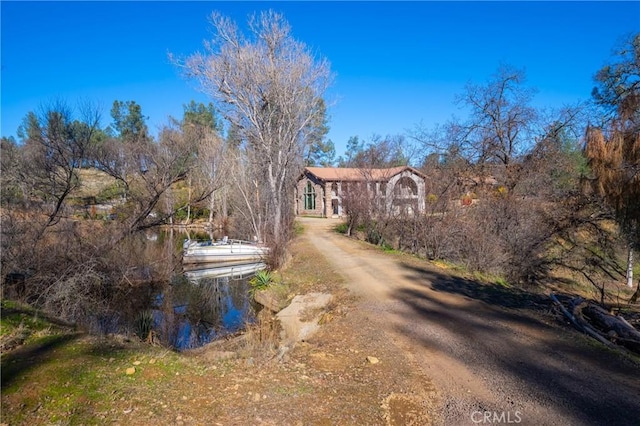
189, 204
225, 210
630, 267
635, 296
211, 206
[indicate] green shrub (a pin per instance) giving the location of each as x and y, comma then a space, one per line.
180, 215
110, 193
375, 237
387, 247
261, 281
144, 324
342, 228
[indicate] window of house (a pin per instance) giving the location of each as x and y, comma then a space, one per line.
334, 189
405, 187
309, 197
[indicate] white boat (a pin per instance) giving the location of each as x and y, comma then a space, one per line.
218, 270
223, 251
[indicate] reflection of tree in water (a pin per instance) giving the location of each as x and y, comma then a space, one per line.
183, 313
195, 313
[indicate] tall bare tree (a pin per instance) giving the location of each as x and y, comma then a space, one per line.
270, 87
200, 129
500, 123
212, 168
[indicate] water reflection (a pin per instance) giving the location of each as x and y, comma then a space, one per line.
205, 304
175, 307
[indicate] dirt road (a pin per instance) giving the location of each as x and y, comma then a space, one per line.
495, 357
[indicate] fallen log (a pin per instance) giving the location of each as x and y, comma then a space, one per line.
565, 312
617, 329
580, 323
611, 330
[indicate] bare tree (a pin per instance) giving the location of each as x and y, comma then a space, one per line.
500, 123
248, 194
212, 167
270, 87
519, 165
55, 146
200, 127
618, 90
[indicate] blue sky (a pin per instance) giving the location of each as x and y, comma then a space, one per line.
397, 64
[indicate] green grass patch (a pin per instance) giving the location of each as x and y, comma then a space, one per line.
386, 247
491, 279
74, 379
341, 228
298, 228
14, 315
446, 264
21, 324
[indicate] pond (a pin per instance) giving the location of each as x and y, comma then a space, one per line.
191, 307
203, 305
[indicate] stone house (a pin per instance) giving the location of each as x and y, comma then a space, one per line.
320, 191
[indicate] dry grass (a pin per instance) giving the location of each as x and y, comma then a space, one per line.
93, 183
307, 271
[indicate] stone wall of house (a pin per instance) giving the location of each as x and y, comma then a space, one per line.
317, 194
399, 198
403, 192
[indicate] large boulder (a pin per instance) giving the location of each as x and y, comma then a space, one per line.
300, 319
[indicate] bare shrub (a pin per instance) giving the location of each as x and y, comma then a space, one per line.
262, 337
76, 294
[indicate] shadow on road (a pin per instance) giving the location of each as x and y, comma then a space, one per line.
495, 295
499, 334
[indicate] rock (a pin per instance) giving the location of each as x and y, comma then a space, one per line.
219, 355
269, 300
130, 371
372, 360
300, 319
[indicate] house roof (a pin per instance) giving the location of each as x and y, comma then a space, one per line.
357, 174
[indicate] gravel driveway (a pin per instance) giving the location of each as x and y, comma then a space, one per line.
495, 357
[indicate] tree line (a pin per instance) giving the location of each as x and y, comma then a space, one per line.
545, 200
528, 195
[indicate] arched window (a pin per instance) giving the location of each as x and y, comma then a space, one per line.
405, 188
309, 197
